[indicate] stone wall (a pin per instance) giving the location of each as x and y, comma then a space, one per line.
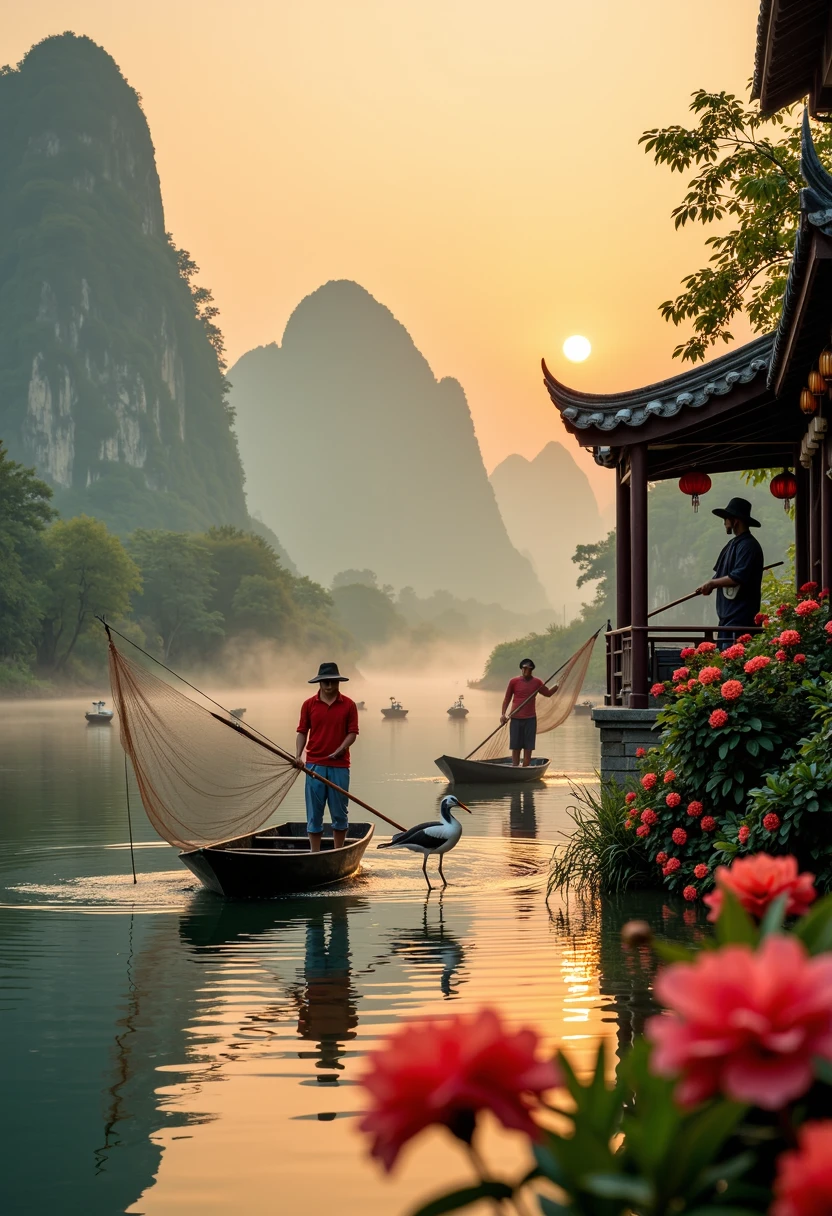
622, 732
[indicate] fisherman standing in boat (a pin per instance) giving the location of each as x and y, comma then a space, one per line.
327, 728
523, 729
738, 574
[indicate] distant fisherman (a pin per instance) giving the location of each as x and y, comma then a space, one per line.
327, 728
738, 574
523, 726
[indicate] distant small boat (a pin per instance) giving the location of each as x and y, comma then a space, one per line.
584, 709
99, 716
490, 772
395, 710
237, 713
458, 709
360, 705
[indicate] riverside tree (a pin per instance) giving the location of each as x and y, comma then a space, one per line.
24, 513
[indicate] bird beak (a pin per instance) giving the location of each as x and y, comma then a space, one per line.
464, 807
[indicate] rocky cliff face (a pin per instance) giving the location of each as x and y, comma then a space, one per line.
358, 457
549, 508
109, 383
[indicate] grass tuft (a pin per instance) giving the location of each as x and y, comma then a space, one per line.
600, 856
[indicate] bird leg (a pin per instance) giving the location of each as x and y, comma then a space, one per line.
425, 871
441, 874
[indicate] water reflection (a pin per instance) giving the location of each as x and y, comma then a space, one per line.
516, 804
433, 944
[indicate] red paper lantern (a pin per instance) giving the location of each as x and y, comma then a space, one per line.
784, 486
695, 483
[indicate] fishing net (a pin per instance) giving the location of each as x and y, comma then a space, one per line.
551, 711
201, 781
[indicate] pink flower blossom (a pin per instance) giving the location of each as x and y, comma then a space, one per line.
759, 662
760, 879
649, 816
744, 1024
700, 871
679, 836
807, 607
640, 753
673, 799
781, 656
681, 673
799, 658
771, 822
649, 780
631, 797
718, 718
743, 833
661, 858
803, 1185
669, 777
672, 865
705, 647
734, 652
696, 808
708, 823
657, 690
444, 1072
644, 830
731, 689
687, 652
708, 675
789, 637
689, 894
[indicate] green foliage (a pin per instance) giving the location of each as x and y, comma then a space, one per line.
747, 179
368, 613
600, 854
24, 513
178, 582
90, 574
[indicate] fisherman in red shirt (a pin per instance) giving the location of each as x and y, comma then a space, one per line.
327, 728
523, 728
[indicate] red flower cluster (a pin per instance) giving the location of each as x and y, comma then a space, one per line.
744, 1024
681, 673
671, 866
649, 816
640, 753
789, 637
718, 718
696, 808
808, 588
756, 664
704, 648
734, 652
649, 780
708, 675
781, 656
444, 1072
669, 777
692, 683
657, 690
687, 652
700, 871
689, 894
761, 619
799, 658
631, 797
745, 637
807, 607
644, 830
661, 858
679, 836
760, 879
803, 1186
828, 627
731, 689
673, 799
708, 823
743, 833
771, 822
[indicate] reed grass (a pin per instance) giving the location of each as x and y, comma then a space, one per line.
600, 855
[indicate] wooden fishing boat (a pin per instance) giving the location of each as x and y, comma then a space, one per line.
490, 772
394, 710
458, 709
584, 709
277, 861
99, 716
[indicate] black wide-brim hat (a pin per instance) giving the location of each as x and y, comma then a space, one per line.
738, 508
328, 671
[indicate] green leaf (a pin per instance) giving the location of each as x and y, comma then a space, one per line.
734, 924
673, 952
815, 929
619, 1186
823, 1070
772, 922
467, 1195
755, 724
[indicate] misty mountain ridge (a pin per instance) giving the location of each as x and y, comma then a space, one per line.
357, 456
549, 508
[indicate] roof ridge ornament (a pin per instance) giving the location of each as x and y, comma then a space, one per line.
816, 198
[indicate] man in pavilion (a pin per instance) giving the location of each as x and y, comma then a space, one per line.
738, 574
523, 730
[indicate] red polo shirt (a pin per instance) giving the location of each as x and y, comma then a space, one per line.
326, 727
519, 689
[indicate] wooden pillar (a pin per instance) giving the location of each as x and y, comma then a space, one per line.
826, 514
815, 474
801, 525
638, 573
623, 581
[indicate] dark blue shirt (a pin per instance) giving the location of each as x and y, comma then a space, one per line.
742, 560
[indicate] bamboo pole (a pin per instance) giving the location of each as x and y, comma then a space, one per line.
693, 595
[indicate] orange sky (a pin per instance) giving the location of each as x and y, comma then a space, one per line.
473, 164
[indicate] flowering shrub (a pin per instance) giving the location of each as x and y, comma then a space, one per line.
736, 746
721, 1106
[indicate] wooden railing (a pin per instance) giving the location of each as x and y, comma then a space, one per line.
663, 645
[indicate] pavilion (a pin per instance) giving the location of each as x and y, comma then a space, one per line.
763, 405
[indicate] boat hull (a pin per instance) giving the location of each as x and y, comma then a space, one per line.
99, 719
394, 713
490, 772
457, 713
277, 861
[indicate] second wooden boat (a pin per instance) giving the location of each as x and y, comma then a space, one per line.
488, 772
395, 710
277, 861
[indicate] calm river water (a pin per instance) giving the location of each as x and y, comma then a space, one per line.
168, 1054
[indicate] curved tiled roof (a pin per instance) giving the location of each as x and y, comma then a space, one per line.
691, 389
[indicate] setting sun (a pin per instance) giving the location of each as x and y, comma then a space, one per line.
577, 348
